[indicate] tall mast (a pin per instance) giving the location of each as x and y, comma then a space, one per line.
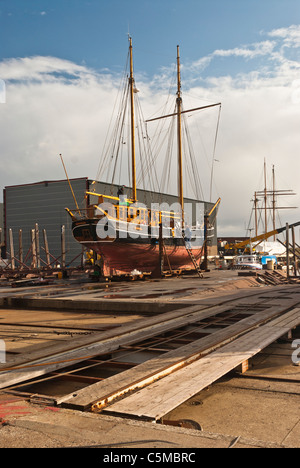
255, 212
273, 200
178, 113
179, 136
131, 84
265, 197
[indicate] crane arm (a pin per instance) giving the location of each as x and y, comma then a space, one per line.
261, 237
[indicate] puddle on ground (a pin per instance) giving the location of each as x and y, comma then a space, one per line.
116, 296
154, 295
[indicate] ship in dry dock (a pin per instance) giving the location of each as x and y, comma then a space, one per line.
130, 236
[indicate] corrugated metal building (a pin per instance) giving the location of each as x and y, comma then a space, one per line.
1, 217
1, 229
44, 203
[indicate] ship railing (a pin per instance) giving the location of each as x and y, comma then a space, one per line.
124, 209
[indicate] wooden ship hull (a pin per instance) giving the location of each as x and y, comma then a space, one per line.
146, 254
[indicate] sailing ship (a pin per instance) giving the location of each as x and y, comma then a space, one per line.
130, 236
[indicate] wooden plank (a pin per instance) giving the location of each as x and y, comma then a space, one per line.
64, 354
137, 326
107, 342
156, 400
143, 374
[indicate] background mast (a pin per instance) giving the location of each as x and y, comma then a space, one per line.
131, 83
179, 136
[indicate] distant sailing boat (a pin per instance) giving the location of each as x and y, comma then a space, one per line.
131, 236
260, 242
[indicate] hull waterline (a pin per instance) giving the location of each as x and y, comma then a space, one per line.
124, 255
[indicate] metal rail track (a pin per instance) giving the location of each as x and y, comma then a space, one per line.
92, 380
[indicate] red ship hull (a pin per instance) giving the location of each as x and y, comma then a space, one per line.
122, 255
122, 258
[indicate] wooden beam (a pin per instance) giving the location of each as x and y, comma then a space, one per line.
11, 246
58, 356
99, 395
20, 247
158, 399
46, 247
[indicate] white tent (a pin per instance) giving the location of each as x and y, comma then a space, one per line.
272, 248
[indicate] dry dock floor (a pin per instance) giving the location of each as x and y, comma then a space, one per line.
259, 408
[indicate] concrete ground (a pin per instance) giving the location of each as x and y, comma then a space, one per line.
28, 426
259, 410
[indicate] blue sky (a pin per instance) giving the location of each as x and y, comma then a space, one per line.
60, 60
94, 32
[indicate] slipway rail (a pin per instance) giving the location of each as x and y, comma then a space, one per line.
156, 400
146, 368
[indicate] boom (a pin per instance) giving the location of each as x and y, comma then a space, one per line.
261, 237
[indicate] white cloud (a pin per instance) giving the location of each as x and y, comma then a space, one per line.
290, 35
40, 68
2, 91
252, 51
55, 106
249, 52
52, 106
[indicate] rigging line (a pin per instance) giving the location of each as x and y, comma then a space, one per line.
121, 86
194, 168
118, 139
199, 133
160, 128
141, 151
121, 149
158, 142
170, 96
117, 147
128, 155
188, 160
109, 154
249, 223
157, 147
167, 168
188, 178
148, 182
195, 172
185, 111
141, 144
170, 93
214, 153
152, 163
195, 96
168, 163
115, 134
149, 160
260, 215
